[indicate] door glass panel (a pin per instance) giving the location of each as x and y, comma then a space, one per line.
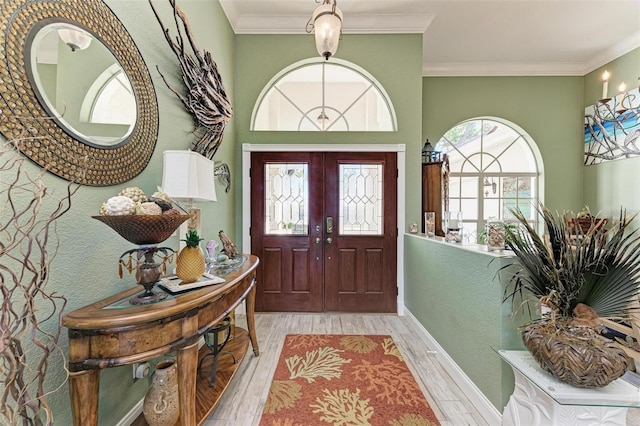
361, 207
286, 198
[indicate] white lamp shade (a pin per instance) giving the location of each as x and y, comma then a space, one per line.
188, 175
327, 23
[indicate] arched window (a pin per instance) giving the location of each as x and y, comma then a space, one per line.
110, 106
114, 103
318, 95
493, 166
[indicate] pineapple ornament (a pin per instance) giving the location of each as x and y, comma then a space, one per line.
190, 264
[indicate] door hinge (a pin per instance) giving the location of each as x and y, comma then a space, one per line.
397, 291
397, 173
249, 171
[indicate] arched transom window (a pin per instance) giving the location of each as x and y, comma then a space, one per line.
493, 167
319, 95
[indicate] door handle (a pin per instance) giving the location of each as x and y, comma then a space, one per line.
329, 240
329, 226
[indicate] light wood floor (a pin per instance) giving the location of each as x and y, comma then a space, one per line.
245, 398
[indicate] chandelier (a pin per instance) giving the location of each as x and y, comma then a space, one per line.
326, 24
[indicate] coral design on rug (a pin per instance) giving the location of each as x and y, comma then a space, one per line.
283, 394
342, 406
323, 362
344, 380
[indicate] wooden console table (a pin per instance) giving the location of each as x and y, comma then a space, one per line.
112, 332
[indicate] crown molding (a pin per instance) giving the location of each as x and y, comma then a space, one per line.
621, 48
502, 69
361, 24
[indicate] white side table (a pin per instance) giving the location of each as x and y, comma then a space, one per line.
541, 399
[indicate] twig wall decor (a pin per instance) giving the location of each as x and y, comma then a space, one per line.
205, 97
30, 313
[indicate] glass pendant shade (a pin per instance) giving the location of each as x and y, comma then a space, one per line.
323, 120
76, 40
327, 24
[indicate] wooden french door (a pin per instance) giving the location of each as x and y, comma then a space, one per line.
325, 228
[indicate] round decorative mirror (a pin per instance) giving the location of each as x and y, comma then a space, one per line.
75, 94
80, 84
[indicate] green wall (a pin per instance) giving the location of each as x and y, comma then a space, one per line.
606, 185
448, 288
549, 109
456, 295
398, 70
86, 266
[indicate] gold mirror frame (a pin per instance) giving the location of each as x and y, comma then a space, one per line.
41, 138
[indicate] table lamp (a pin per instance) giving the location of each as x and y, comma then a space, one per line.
188, 175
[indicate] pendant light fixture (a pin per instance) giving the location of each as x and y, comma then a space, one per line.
326, 24
323, 120
73, 37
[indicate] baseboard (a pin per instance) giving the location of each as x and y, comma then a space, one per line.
477, 398
132, 415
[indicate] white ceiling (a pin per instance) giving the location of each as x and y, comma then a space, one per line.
472, 37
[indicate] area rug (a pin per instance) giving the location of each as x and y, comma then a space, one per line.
344, 380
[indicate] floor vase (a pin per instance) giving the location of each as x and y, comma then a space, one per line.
161, 404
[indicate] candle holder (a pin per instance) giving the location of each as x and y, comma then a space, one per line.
453, 227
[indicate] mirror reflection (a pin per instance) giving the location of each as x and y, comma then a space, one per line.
80, 83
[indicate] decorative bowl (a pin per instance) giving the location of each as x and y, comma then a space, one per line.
144, 229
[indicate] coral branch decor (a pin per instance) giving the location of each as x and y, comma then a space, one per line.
205, 97
344, 380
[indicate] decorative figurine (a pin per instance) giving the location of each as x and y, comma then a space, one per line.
228, 247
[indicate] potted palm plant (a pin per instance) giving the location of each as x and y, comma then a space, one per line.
576, 277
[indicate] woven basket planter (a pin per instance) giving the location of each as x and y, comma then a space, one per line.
576, 355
